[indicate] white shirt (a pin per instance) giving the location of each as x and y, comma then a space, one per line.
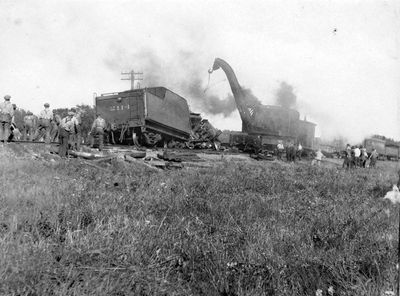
46, 114
69, 123
357, 152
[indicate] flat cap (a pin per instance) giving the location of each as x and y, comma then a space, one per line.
7, 97
46, 104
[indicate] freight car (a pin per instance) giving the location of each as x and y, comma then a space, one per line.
154, 115
392, 151
378, 144
374, 143
386, 150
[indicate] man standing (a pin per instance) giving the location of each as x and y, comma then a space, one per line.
280, 149
363, 156
98, 127
6, 114
55, 127
357, 153
76, 134
15, 134
290, 152
29, 126
299, 151
318, 157
67, 125
45, 119
347, 157
372, 158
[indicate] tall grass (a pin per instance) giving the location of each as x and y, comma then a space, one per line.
236, 229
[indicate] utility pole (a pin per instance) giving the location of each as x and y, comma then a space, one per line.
132, 77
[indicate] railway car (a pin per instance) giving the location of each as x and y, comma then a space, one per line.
154, 116
387, 150
392, 151
374, 143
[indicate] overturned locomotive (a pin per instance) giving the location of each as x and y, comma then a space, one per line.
151, 116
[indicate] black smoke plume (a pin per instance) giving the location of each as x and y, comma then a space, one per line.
185, 69
210, 103
251, 99
285, 96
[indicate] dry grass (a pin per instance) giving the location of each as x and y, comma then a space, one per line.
240, 229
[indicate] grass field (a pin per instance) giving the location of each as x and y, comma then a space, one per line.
260, 228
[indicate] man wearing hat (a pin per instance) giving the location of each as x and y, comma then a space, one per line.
6, 114
15, 134
45, 119
280, 149
30, 122
98, 127
67, 125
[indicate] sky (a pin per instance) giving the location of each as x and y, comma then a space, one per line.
339, 58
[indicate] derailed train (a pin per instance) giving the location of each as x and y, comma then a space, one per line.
158, 116
154, 116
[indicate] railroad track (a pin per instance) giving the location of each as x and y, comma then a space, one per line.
121, 148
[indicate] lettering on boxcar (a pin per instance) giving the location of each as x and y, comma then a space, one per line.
118, 107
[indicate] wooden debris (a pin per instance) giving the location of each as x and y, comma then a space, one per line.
179, 156
131, 159
85, 155
137, 154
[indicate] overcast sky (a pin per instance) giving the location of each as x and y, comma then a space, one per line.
340, 57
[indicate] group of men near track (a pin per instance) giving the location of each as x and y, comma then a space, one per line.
354, 157
48, 126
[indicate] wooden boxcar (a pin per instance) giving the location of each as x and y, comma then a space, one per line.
392, 151
374, 143
386, 150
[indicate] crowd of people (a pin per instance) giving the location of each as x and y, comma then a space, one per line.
292, 151
48, 126
357, 156
354, 156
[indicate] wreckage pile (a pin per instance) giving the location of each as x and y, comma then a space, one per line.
203, 135
150, 158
